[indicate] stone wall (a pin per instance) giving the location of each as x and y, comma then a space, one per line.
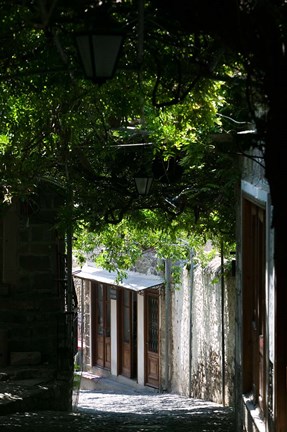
33, 318
197, 367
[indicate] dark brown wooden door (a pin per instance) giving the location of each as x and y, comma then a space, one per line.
254, 303
101, 325
152, 339
128, 334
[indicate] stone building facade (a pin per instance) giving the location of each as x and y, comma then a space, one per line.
256, 361
196, 330
36, 327
203, 334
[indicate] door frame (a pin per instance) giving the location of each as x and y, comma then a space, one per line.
127, 315
152, 356
106, 307
255, 335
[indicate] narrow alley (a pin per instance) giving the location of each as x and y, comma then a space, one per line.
118, 407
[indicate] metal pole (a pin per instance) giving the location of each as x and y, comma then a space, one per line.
190, 318
167, 318
222, 324
82, 324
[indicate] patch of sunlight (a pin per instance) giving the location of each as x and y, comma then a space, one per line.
10, 396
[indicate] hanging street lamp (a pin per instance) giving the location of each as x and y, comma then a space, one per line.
99, 51
143, 183
99, 54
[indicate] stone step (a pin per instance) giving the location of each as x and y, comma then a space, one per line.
114, 384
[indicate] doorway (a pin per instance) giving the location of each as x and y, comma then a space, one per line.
101, 325
152, 338
254, 303
128, 333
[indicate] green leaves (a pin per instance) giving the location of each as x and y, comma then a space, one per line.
58, 126
120, 246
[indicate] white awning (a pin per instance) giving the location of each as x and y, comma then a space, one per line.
135, 281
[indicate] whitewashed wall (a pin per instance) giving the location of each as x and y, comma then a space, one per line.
204, 379
180, 351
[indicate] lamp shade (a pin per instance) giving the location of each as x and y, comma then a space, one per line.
99, 54
143, 184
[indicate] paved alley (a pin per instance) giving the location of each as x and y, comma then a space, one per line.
125, 408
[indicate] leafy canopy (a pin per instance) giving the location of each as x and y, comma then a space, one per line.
57, 126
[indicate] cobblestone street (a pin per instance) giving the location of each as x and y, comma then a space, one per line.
126, 409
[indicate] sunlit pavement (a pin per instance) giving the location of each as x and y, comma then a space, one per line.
128, 410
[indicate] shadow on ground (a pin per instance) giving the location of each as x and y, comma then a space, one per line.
112, 408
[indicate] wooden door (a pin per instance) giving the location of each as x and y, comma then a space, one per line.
261, 310
128, 334
254, 303
101, 325
152, 339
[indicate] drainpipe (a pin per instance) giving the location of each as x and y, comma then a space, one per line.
82, 325
191, 279
222, 325
167, 318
